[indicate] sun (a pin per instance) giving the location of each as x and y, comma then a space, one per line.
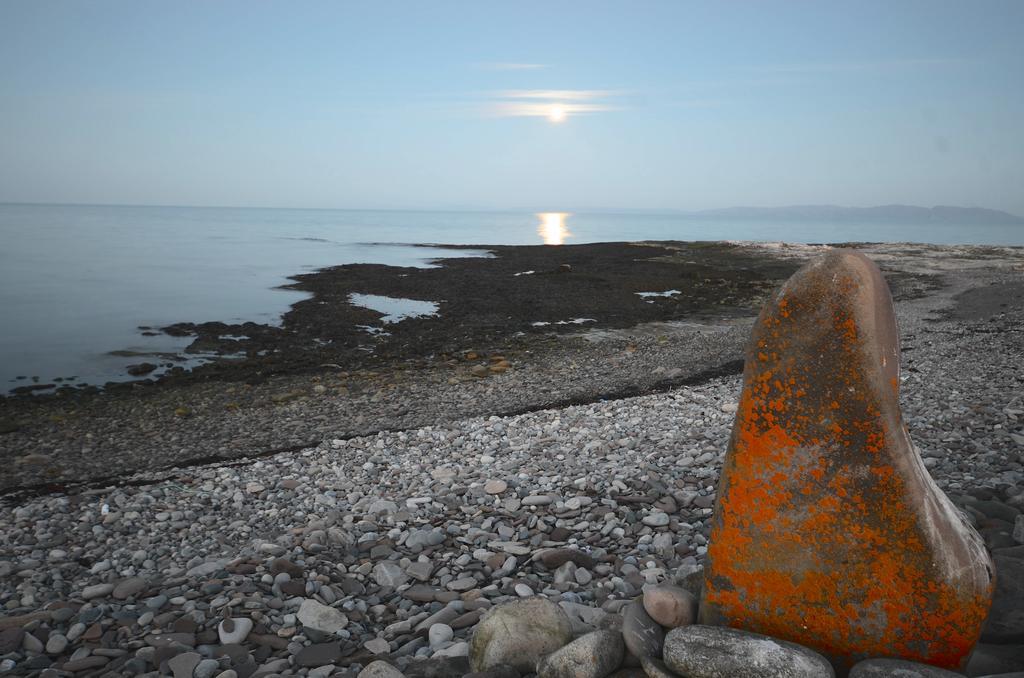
556, 113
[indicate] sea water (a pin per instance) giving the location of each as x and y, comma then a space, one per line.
77, 282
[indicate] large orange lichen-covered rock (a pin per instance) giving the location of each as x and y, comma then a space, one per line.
828, 531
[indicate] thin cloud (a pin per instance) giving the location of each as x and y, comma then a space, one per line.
862, 66
526, 109
509, 66
554, 104
557, 94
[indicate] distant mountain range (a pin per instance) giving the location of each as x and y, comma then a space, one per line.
939, 214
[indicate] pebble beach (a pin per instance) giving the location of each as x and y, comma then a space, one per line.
389, 539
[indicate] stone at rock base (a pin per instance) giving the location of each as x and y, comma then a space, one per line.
444, 667
380, 669
720, 652
593, 655
690, 578
1014, 552
827, 529
655, 668
499, 671
670, 606
995, 659
1005, 623
888, 668
519, 633
642, 635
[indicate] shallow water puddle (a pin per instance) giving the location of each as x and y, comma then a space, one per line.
647, 295
574, 321
394, 309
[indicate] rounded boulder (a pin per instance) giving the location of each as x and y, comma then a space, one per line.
670, 606
594, 655
519, 633
886, 668
721, 652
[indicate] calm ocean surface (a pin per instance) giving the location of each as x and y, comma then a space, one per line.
76, 282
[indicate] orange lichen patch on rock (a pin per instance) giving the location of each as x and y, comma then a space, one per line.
828, 531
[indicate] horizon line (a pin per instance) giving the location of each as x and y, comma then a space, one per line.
532, 210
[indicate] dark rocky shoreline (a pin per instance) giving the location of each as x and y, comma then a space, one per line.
482, 301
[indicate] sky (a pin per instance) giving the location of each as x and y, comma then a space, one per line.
534, 105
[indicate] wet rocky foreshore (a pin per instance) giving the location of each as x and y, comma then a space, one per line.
481, 355
390, 546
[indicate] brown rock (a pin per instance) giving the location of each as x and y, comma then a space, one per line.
93, 633
22, 620
128, 588
466, 620
294, 587
318, 654
10, 640
559, 534
85, 663
555, 558
184, 624
268, 639
241, 568
279, 565
827, 529
420, 593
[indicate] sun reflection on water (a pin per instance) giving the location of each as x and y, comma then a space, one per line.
552, 227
